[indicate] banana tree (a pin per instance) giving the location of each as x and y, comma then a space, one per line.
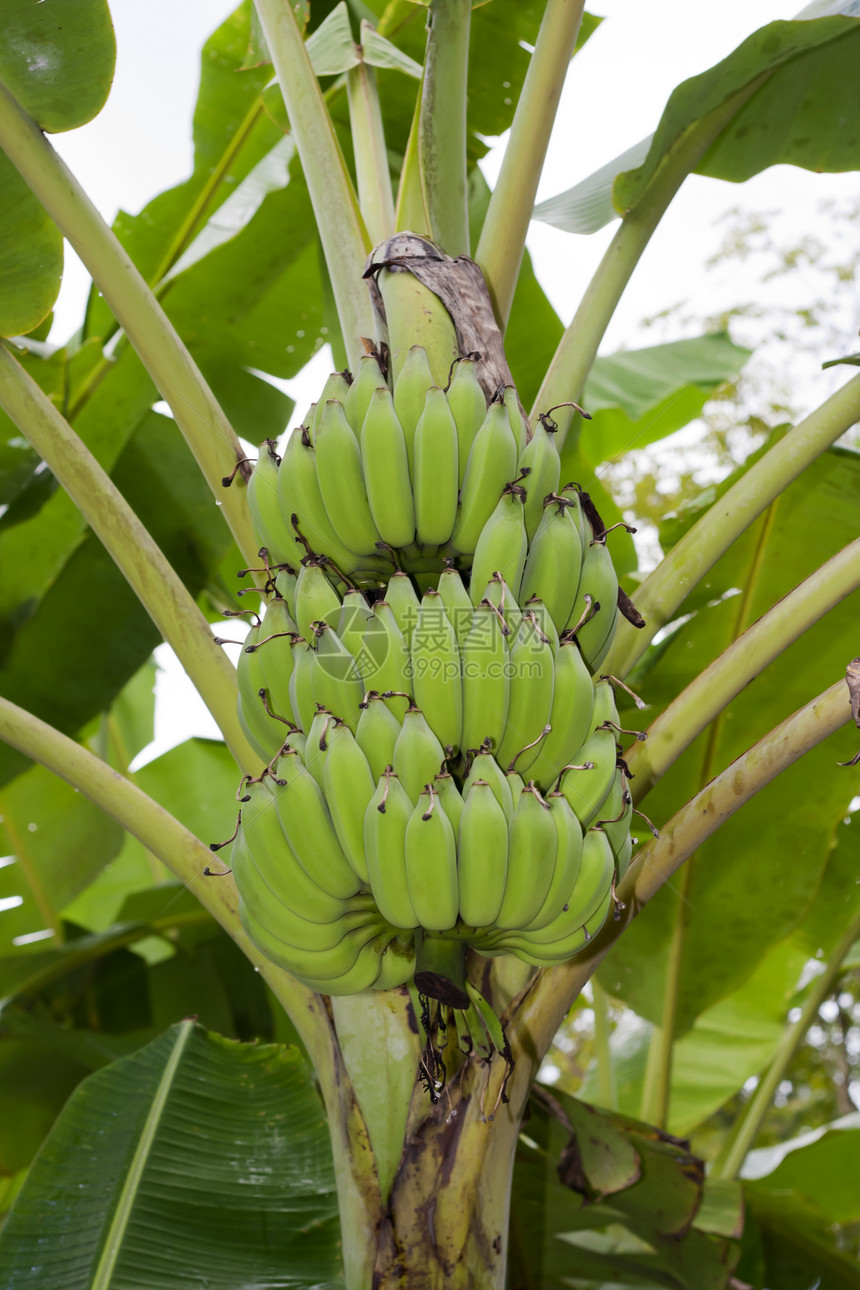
336, 197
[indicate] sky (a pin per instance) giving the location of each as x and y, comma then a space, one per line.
617, 86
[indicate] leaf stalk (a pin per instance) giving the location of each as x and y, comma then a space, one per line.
198, 414
141, 561
344, 238
503, 236
714, 688
746, 1128
573, 359
664, 590
442, 124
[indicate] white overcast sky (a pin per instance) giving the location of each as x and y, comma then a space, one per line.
140, 144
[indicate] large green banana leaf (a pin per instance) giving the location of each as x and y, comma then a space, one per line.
60, 72
808, 70
195, 1161
755, 879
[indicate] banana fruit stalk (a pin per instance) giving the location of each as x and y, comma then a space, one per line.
440, 766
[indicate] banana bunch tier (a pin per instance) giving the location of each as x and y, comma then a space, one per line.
379, 478
437, 774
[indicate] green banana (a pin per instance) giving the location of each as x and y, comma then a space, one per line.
335, 681
540, 458
450, 799
499, 594
347, 968
468, 407
281, 918
517, 786
265, 508
310, 827
385, 662
545, 624
385, 822
400, 595
568, 860
457, 602
587, 790
482, 856
431, 864
486, 684
623, 856
435, 661
616, 814
348, 785
435, 471
264, 734
410, 394
301, 696
532, 669
605, 707
594, 881
337, 386
386, 471
262, 835
502, 545
315, 599
299, 494
518, 420
492, 463
285, 587
570, 716
341, 481
358, 399
600, 581
418, 754
485, 767
376, 733
554, 563
276, 658
352, 623
531, 860
316, 744
560, 951
574, 495
397, 964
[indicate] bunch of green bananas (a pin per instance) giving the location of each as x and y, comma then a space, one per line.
439, 769
439, 774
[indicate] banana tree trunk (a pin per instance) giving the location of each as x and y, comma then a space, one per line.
440, 1217
446, 1221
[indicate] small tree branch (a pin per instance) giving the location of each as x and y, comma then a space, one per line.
198, 414
342, 233
545, 1001
699, 549
746, 1128
442, 124
153, 580
714, 688
503, 236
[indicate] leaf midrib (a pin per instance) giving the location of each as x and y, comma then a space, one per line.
128, 1194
